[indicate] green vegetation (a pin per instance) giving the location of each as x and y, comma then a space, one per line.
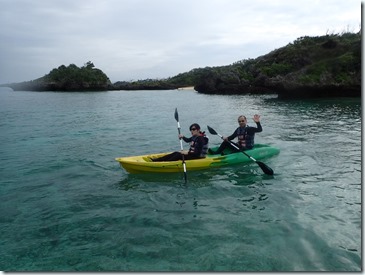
147, 84
88, 75
181, 80
70, 78
328, 65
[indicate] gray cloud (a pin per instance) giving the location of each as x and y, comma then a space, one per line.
137, 39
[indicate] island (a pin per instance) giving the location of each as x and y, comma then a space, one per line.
324, 66
321, 66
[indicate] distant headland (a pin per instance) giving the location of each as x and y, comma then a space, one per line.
322, 66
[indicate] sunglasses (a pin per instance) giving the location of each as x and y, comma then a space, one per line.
192, 129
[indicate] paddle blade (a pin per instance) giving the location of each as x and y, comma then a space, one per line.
266, 169
176, 115
211, 130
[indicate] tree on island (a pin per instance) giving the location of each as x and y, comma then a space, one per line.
75, 78
70, 78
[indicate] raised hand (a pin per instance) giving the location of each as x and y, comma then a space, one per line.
256, 118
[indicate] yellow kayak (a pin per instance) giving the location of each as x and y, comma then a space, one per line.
144, 164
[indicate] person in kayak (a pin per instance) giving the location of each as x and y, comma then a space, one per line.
244, 133
198, 146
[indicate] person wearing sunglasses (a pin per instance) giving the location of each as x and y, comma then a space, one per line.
244, 133
198, 146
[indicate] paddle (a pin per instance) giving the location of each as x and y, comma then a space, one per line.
266, 169
178, 129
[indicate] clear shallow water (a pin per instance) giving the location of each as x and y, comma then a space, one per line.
66, 205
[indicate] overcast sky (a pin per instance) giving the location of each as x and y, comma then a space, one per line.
139, 39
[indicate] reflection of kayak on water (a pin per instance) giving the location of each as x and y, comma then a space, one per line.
143, 164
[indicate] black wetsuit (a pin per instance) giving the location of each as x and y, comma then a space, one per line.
197, 150
245, 136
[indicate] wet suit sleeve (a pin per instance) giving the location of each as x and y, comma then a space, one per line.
187, 139
233, 136
252, 130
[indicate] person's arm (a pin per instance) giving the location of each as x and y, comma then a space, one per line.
186, 139
233, 136
251, 130
259, 127
256, 118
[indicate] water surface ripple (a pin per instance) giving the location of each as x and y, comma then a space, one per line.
66, 205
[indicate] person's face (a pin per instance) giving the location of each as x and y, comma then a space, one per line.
242, 121
194, 131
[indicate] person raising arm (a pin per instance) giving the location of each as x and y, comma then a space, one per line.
244, 133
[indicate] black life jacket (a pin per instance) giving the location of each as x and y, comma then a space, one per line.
204, 151
245, 140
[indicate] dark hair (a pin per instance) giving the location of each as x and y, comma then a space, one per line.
196, 125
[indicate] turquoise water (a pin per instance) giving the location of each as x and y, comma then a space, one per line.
66, 205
